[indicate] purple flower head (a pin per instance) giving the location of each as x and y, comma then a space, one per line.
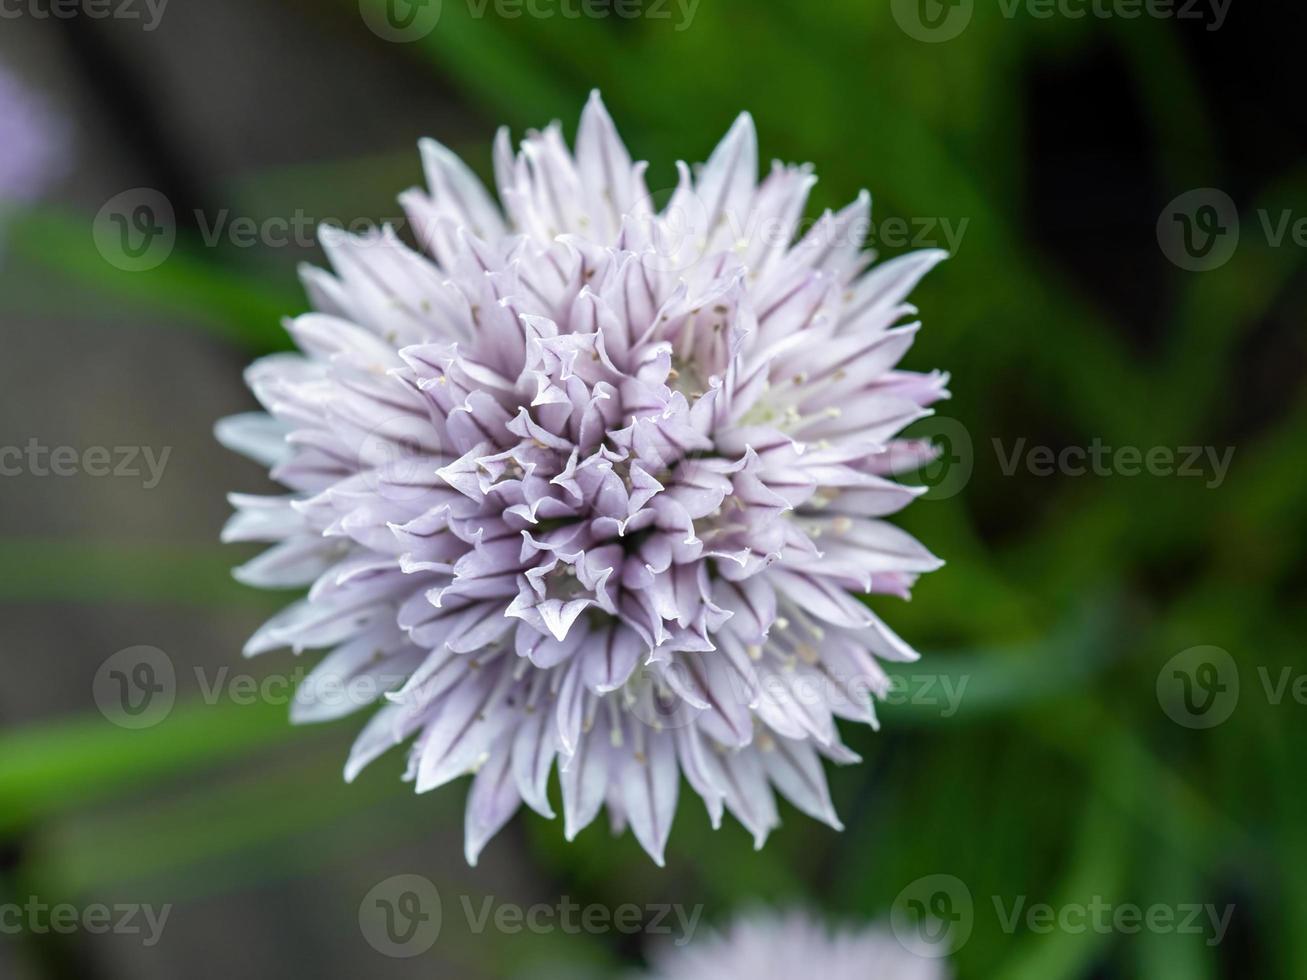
763, 946
590, 484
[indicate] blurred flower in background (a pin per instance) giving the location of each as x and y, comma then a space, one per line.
764, 945
34, 142
598, 484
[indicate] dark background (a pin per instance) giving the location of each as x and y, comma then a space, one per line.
1062, 777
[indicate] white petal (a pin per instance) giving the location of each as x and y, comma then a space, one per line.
649, 785
491, 803
254, 434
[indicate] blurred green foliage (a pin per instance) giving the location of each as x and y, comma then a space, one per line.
1060, 778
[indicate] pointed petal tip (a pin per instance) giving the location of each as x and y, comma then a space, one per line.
259, 642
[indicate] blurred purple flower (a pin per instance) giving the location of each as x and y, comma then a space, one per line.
33, 142
768, 945
591, 482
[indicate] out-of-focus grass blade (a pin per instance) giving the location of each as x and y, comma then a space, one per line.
1216, 305
1098, 871
235, 307
1171, 95
241, 833
1171, 954
1284, 938
74, 762
973, 685
43, 569
1194, 824
496, 67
